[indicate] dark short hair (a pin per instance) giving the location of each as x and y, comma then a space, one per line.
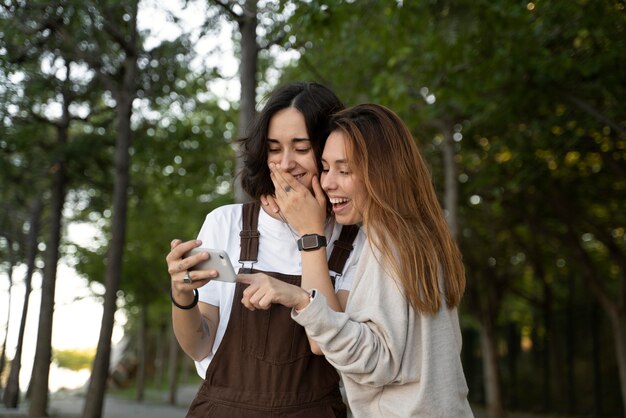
317, 104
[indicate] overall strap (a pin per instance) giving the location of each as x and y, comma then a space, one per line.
342, 248
249, 235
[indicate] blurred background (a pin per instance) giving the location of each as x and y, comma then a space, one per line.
118, 121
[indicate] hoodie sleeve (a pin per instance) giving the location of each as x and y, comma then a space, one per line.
367, 342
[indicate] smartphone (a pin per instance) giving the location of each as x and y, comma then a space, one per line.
218, 260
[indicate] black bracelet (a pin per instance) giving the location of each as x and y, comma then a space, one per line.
191, 305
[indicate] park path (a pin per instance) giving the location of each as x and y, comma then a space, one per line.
71, 406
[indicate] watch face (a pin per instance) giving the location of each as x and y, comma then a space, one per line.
310, 241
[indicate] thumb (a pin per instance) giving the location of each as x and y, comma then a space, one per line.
320, 196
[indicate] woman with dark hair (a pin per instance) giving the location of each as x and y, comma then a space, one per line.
397, 345
260, 363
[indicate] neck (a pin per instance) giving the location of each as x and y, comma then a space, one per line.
270, 212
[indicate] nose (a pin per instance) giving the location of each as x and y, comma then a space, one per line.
327, 181
287, 162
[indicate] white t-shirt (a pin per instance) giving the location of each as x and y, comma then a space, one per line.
278, 252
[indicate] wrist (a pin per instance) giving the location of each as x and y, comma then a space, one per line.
185, 304
182, 292
311, 242
306, 299
312, 228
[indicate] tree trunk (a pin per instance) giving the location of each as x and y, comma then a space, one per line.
451, 197
613, 308
546, 365
597, 361
491, 369
618, 323
247, 77
513, 349
6, 331
569, 347
141, 355
124, 97
159, 357
38, 404
12, 392
173, 369
100, 373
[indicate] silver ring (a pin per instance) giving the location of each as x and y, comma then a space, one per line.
287, 189
187, 279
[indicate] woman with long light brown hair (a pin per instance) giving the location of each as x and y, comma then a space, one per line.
398, 343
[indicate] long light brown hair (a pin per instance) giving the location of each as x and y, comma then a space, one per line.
401, 214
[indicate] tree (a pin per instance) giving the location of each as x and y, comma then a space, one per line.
11, 393
119, 23
251, 18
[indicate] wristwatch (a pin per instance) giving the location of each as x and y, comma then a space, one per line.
310, 242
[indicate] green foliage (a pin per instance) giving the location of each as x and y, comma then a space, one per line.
530, 91
183, 168
74, 359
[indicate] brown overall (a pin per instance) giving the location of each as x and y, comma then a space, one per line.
264, 366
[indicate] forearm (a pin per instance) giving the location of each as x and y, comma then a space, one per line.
194, 330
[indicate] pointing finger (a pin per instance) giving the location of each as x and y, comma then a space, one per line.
245, 278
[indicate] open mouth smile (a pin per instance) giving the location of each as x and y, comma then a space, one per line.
339, 203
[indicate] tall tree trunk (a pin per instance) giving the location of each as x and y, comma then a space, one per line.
247, 77
491, 368
613, 308
613, 305
159, 357
12, 392
597, 361
493, 395
569, 347
513, 348
10, 296
618, 323
97, 384
41, 367
124, 96
141, 355
451, 196
547, 349
173, 369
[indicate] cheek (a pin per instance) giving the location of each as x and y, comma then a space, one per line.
360, 196
273, 158
309, 163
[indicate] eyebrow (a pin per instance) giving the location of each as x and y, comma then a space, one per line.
336, 161
293, 140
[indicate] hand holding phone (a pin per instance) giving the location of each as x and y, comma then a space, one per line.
218, 260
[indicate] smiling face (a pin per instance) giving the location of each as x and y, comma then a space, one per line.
345, 191
289, 146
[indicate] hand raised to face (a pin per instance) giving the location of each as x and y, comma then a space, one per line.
304, 211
